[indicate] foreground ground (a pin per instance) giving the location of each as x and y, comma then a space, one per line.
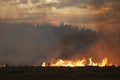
60, 73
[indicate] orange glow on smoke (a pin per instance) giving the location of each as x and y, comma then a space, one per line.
78, 63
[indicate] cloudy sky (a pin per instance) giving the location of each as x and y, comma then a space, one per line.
55, 11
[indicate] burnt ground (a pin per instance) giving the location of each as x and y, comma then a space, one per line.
60, 73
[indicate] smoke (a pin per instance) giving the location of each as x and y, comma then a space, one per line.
77, 44
107, 45
105, 42
24, 44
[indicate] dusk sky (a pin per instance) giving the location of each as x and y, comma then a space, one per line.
55, 11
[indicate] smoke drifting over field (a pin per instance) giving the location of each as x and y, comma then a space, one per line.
28, 43
108, 43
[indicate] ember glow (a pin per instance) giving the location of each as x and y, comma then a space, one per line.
79, 63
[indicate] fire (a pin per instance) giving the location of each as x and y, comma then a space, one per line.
70, 63
78, 63
44, 64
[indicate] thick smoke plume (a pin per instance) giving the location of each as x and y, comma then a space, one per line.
25, 44
108, 44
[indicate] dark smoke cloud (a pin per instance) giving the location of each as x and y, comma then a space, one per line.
29, 43
78, 43
24, 44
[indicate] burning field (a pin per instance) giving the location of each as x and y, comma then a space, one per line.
64, 52
62, 45
79, 63
59, 39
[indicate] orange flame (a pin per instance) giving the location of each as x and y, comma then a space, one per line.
78, 63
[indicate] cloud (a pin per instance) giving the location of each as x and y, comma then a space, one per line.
73, 11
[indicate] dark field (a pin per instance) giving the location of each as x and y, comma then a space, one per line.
60, 73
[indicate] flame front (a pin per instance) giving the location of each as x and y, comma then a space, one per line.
69, 63
78, 63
